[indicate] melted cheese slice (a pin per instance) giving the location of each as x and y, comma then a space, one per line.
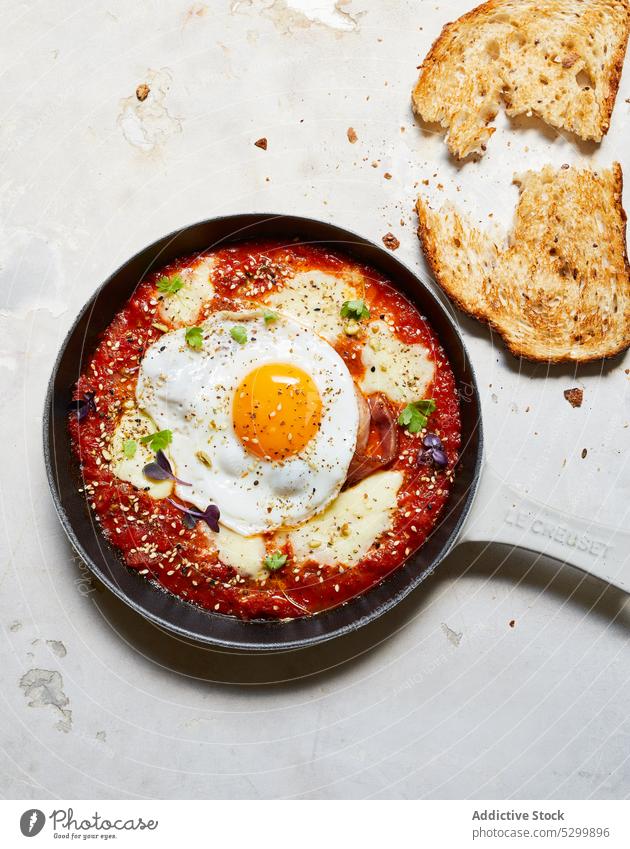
182, 309
315, 298
403, 372
245, 554
350, 526
134, 425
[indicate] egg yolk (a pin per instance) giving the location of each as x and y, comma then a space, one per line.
277, 410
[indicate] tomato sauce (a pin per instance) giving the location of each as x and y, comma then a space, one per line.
151, 535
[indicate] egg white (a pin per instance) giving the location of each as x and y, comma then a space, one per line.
190, 392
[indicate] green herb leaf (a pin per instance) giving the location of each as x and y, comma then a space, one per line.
275, 561
170, 285
414, 417
355, 309
129, 448
270, 316
194, 337
239, 334
426, 406
158, 441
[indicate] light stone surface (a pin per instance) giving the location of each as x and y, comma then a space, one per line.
443, 697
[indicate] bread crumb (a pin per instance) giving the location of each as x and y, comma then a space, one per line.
584, 453
390, 241
574, 396
352, 135
261, 143
387, 175
142, 92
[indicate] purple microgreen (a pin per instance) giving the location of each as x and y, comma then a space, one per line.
163, 462
435, 457
432, 440
210, 515
161, 470
439, 458
82, 406
189, 521
155, 472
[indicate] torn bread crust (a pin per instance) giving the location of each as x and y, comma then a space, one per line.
559, 291
560, 60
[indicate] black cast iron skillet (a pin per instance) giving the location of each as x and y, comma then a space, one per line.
159, 606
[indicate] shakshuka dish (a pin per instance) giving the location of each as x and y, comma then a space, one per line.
267, 430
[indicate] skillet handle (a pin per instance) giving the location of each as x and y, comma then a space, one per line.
501, 514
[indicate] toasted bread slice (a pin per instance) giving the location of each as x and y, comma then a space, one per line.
558, 59
559, 289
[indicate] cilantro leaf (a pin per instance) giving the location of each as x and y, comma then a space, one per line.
355, 309
129, 448
269, 316
239, 334
426, 406
157, 441
415, 416
194, 337
170, 285
275, 561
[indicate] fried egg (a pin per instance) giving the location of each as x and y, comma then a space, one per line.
263, 417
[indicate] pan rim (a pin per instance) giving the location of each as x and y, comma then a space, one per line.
272, 626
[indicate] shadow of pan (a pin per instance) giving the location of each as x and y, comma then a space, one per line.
477, 562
